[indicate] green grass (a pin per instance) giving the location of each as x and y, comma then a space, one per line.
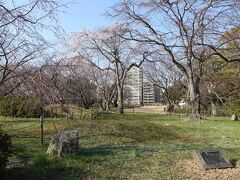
133, 146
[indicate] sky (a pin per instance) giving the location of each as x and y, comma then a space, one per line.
85, 14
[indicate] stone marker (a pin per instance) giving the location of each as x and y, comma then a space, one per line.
64, 142
212, 159
234, 117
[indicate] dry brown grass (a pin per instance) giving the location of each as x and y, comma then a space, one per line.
148, 109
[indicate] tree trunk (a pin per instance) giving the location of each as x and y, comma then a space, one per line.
115, 102
101, 103
66, 110
214, 108
194, 98
120, 99
107, 106
85, 102
170, 106
86, 105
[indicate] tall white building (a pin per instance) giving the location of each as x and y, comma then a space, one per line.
133, 87
137, 92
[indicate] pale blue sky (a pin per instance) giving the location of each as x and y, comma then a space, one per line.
85, 14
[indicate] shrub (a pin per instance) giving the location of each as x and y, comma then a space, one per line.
5, 148
21, 107
181, 110
40, 160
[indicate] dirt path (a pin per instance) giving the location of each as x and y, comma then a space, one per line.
148, 109
193, 171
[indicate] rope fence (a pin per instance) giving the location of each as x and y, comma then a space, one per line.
17, 129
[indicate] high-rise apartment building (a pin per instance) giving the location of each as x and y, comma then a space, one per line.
133, 87
137, 92
151, 93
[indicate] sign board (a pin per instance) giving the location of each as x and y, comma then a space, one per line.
213, 159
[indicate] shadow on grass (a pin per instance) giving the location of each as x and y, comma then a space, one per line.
145, 132
58, 170
137, 116
27, 120
27, 146
25, 173
19, 151
109, 150
94, 151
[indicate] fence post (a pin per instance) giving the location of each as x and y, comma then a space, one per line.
81, 111
41, 127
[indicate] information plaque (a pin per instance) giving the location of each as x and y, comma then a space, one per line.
213, 159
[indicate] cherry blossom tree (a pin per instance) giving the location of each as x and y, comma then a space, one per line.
107, 50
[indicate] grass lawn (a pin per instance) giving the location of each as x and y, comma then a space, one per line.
133, 146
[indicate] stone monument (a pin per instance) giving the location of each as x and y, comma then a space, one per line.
64, 142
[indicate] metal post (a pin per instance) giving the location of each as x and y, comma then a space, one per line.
41, 127
81, 113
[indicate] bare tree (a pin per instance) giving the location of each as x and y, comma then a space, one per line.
56, 74
21, 37
106, 50
164, 76
82, 86
186, 33
106, 86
